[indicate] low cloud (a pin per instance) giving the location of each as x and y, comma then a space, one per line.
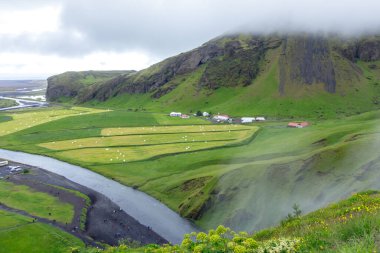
162, 28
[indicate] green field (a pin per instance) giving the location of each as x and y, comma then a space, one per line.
30, 118
133, 144
277, 166
19, 234
39, 204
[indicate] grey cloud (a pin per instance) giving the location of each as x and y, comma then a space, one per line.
166, 27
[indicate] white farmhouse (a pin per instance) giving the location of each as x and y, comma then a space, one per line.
247, 119
175, 114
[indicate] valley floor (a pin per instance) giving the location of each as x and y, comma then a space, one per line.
246, 177
65, 208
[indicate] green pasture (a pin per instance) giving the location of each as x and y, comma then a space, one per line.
172, 129
247, 182
19, 234
29, 118
39, 204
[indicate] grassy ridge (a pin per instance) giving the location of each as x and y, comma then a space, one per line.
351, 225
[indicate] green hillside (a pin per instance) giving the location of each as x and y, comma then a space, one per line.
300, 75
351, 225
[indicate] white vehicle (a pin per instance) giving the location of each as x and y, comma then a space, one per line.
15, 169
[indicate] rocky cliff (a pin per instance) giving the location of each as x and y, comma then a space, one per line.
305, 63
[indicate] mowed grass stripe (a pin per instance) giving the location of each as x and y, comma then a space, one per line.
26, 119
171, 129
119, 155
148, 139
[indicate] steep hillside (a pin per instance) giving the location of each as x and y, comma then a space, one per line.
278, 75
351, 225
70, 84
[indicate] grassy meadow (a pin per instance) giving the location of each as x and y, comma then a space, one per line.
204, 171
36, 203
19, 234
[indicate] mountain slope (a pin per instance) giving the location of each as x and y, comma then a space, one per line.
70, 84
300, 75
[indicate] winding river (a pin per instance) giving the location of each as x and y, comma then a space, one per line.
22, 103
144, 208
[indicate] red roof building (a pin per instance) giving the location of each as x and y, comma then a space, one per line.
298, 124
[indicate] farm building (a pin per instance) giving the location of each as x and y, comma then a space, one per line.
3, 163
221, 117
247, 119
175, 114
260, 119
206, 114
185, 116
298, 124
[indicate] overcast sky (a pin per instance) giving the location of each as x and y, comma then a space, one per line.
39, 38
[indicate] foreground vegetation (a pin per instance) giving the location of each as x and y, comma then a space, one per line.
352, 225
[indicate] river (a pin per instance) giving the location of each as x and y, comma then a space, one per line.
144, 208
22, 103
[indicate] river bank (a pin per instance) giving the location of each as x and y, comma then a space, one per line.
22, 103
142, 207
106, 222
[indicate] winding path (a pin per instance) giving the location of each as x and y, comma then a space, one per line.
145, 209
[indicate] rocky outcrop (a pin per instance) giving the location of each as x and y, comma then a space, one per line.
364, 49
230, 61
306, 60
